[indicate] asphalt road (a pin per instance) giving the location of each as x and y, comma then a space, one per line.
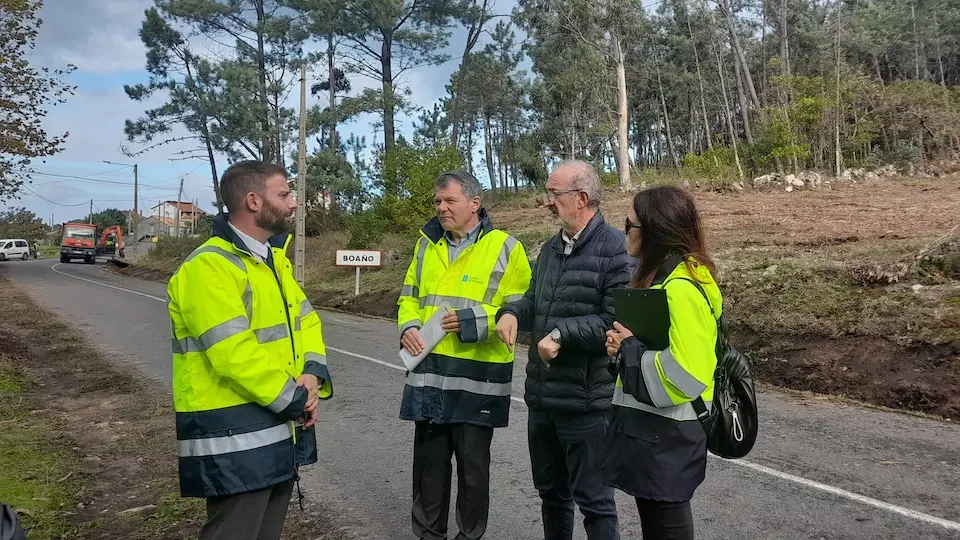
820, 470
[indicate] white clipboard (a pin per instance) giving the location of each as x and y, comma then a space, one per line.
431, 333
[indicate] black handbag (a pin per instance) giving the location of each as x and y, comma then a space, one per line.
10, 528
731, 424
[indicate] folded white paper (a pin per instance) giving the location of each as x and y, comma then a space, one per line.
431, 333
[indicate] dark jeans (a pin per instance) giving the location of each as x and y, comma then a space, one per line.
433, 447
566, 456
256, 515
665, 521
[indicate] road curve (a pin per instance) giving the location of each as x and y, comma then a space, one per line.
820, 469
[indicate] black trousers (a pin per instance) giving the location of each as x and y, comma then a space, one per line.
256, 515
566, 453
433, 447
665, 521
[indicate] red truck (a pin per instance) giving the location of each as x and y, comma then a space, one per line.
78, 241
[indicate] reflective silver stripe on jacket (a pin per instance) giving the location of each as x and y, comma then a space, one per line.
315, 357
512, 298
499, 269
421, 253
285, 398
410, 290
248, 300
456, 302
681, 379
410, 324
680, 412
651, 378
463, 384
222, 331
272, 333
214, 249
234, 443
482, 321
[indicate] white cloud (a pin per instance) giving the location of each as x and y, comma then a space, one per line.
97, 36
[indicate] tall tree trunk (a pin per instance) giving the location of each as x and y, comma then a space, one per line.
729, 116
266, 135
488, 151
916, 40
739, 57
389, 105
703, 99
473, 34
838, 158
332, 97
623, 160
742, 98
666, 121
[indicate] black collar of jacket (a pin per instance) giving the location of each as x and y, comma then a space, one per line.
667, 268
222, 229
434, 231
594, 225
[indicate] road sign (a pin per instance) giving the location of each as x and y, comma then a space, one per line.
358, 258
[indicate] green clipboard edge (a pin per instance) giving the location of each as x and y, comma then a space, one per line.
645, 313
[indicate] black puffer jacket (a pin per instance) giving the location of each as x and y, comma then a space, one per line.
573, 293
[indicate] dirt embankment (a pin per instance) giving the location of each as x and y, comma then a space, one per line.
93, 447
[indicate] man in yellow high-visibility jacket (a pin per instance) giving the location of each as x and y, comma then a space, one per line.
249, 361
461, 391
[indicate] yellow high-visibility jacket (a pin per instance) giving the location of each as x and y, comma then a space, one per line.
243, 332
665, 382
467, 377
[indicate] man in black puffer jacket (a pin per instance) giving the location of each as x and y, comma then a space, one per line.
568, 309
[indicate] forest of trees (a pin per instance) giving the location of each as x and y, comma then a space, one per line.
713, 89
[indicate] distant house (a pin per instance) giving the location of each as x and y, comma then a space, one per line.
167, 211
162, 220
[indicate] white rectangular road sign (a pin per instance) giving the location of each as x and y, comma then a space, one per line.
358, 257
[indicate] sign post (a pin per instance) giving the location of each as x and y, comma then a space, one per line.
358, 258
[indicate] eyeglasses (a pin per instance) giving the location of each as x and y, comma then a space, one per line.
551, 195
627, 225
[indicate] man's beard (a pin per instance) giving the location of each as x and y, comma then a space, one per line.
274, 220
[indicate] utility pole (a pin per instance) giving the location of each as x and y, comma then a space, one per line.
177, 222
136, 211
90, 215
301, 179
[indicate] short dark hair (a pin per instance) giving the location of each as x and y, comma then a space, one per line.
469, 184
243, 177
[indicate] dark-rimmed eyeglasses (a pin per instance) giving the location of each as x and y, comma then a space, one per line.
552, 195
627, 225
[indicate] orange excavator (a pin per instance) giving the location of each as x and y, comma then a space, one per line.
111, 241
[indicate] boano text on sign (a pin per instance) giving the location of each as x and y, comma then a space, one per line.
347, 257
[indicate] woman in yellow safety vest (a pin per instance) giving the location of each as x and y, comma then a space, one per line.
656, 449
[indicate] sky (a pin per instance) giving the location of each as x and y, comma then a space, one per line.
100, 37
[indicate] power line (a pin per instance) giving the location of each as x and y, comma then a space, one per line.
99, 181
53, 202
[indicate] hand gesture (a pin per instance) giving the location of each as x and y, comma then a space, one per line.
412, 341
615, 337
548, 349
450, 323
507, 330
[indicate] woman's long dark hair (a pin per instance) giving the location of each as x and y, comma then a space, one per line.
670, 225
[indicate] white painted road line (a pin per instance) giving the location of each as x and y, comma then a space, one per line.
54, 268
869, 501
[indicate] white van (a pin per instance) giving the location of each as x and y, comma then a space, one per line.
14, 248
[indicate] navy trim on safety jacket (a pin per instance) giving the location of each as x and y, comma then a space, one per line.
243, 331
